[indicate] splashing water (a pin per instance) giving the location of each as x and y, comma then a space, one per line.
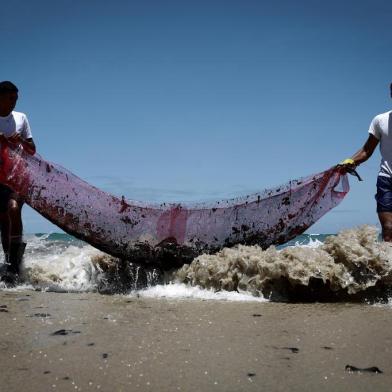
352, 265
58, 265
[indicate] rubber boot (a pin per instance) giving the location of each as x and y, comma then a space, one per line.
7, 274
5, 267
10, 273
15, 256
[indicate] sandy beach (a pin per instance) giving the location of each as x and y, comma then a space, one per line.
67, 342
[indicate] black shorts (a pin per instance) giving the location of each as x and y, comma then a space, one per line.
384, 194
6, 194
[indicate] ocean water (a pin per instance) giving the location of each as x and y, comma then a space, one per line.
352, 265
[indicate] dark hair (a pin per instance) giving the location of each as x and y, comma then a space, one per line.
8, 87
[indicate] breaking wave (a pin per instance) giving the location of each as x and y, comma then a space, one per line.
351, 266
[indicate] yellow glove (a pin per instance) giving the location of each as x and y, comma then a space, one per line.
348, 166
348, 161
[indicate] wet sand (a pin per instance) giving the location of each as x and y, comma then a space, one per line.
68, 342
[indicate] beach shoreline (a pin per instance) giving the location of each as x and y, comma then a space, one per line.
87, 341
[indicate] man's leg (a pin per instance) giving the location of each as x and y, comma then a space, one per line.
16, 244
386, 224
15, 220
5, 194
5, 233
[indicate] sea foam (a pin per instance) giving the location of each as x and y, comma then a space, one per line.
350, 263
353, 265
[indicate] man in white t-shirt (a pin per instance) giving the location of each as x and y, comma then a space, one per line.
380, 131
14, 130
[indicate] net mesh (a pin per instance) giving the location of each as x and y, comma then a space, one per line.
168, 234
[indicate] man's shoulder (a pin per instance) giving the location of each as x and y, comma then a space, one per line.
383, 116
20, 115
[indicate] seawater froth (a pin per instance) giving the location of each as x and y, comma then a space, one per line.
70, 265
182, 291
350, 264
59, 266
121, 276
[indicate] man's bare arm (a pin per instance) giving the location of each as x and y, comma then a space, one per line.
366, 151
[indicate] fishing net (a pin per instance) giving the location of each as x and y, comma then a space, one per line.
168, 234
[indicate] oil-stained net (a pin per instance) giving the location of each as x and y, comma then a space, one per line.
168, 234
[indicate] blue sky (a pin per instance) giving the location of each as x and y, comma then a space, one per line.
192, 100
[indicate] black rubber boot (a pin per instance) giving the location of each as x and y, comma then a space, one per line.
15, 257
7, 274
4, 268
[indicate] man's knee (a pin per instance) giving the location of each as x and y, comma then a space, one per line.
387, 231
387, 236
13, 208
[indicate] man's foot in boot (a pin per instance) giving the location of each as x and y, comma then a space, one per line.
7, 275
15, 257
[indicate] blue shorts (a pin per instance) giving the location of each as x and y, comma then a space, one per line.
384, 194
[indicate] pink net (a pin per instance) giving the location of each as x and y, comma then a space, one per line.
168, 235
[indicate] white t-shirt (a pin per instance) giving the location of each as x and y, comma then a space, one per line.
381, 128
15, 122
